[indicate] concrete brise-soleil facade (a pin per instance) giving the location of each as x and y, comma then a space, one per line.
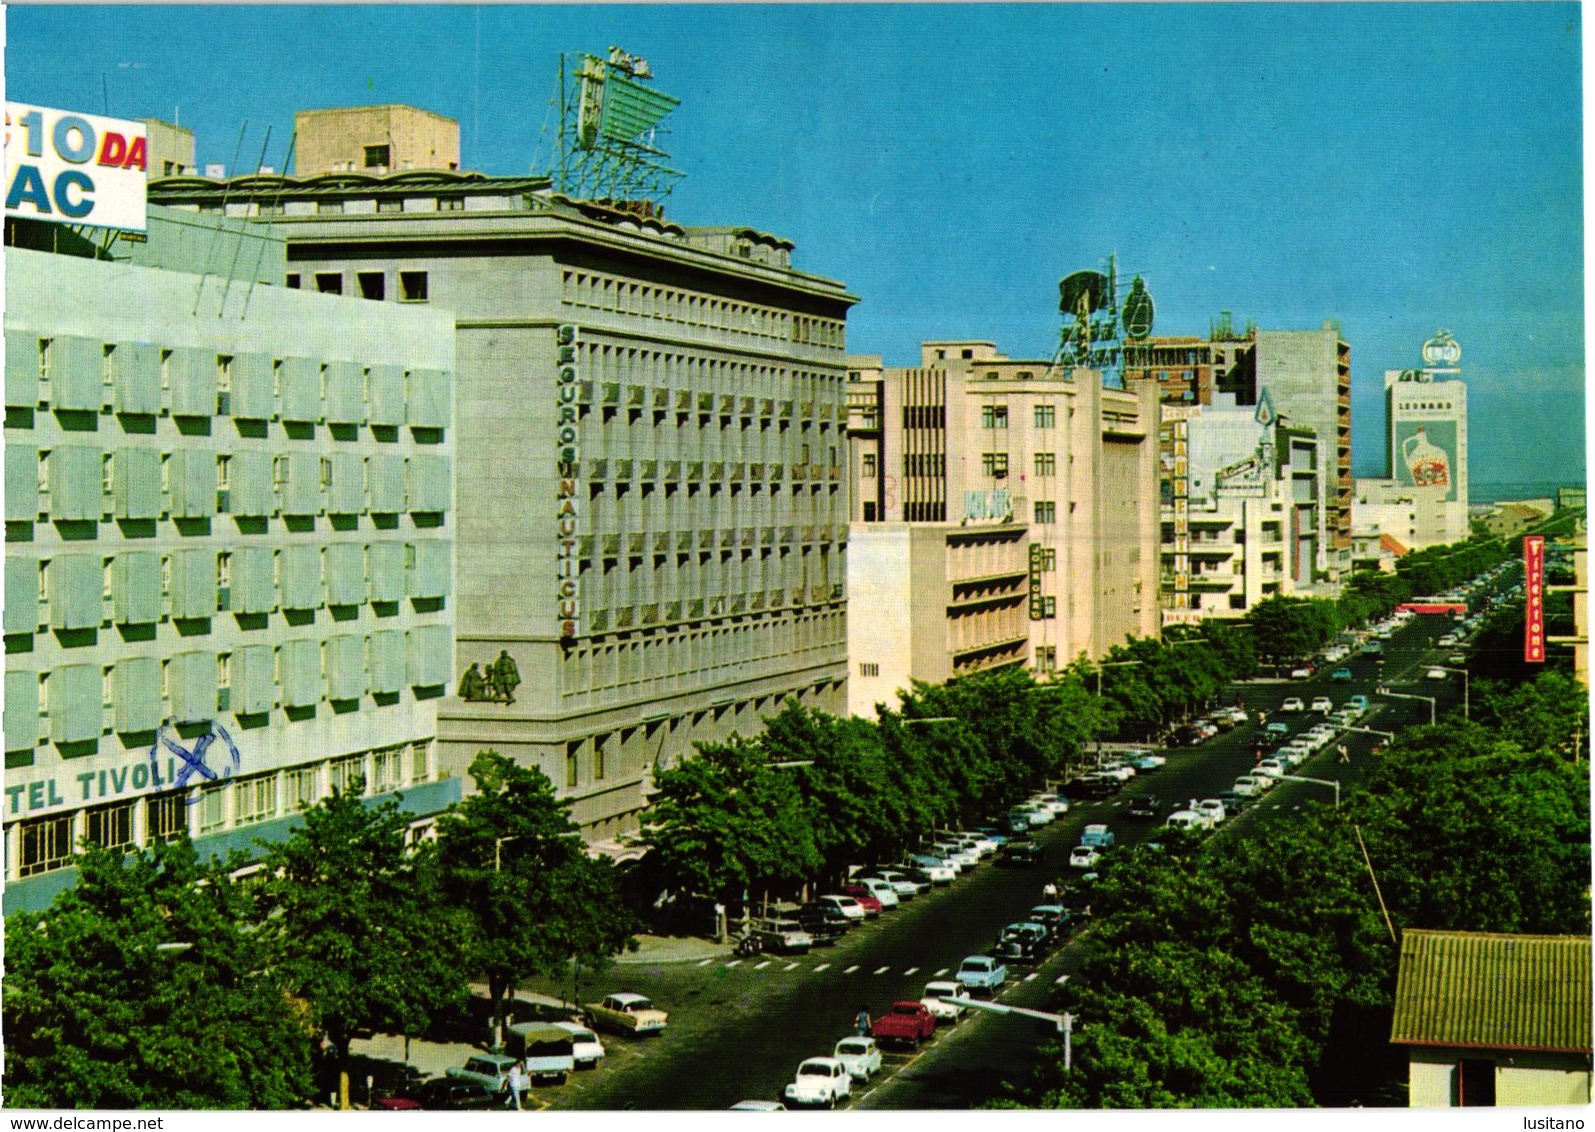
229, 514
649, 419
976, 446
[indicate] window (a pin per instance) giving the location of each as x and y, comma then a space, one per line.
1046, 658
451, 204
412, 286
994, 464
168, 817
330, 206
1046, 416
292, 281
329, 282
213, 807
376, 155
46, 844
373, 284
224, 473
108, 376
994, 416
1049, 607
224, 681
390, 204
1046, 464
869, 669
387, 770
419, 771
348, 775
572, 764
868, 468
1046, 559
1046, 511
299, 788
255, 799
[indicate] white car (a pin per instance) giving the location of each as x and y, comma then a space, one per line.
982, 844
905, 888
966, 856
1312, 740
1436, 674
861, 1057
1084, 857
1149, 762
883, 891
938, 870
1293, 703
1035, 815
1056, 803
935, 1000
1271, 767
850, 909
1115, 769
1214, 809
1188, 819
820, 1080
1303, 673
1251, 785
1323, 704
586, 1049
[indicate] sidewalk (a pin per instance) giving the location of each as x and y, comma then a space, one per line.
674, 949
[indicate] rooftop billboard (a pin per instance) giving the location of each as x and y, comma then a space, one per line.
70, 168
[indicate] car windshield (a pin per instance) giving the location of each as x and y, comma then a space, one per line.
814, 1069
973, 965
851, 1047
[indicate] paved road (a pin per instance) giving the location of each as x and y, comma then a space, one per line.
739, 1029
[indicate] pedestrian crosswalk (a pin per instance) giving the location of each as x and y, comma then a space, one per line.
806, 964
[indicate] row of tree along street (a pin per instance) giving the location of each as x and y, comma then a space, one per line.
156, 981
1259, 971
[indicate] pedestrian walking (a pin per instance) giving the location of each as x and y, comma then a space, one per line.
1345, 754
1050, 891
863, 1022
517, 1084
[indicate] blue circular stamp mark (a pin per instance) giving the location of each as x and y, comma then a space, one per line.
193, 760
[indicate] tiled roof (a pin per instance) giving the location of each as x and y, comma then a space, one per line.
1529, 992
1390, 543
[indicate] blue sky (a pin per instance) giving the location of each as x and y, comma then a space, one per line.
1398, 168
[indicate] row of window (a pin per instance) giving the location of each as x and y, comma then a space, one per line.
702, 381
78, 482
142, 379
996, 416
625, 296
48, 843
85, 591
995, 464
413, 287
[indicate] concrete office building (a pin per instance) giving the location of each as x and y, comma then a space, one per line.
652, 507
1242, 485
373, 139
972, 439
229, 532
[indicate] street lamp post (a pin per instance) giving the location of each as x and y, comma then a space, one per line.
1316, 782
1411, 696
1466, 714
1063, 1022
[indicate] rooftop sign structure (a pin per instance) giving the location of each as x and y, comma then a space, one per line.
610, 124
79, 169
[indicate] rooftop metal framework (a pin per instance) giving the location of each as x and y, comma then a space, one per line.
609, 129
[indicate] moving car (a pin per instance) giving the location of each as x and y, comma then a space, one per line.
1084, 857
1301, 672
1436, 674
1359, 704
1292, 703
1323, 704
1148, 762
906, 1023
1098, 836
1144, 806
981, 973
1057, 803
628, 1014
820, 1081
1187, 819
1457, 659
1020, 852
1341, 674
861, 1057
935, 999
1213, 808
1373, 648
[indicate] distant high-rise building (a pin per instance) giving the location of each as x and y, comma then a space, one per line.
374, 140
971, 439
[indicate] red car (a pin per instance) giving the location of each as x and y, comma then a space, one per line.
906, 1023
871, 906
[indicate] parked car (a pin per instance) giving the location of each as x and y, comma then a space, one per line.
861, 1057
1273, 768
1250, 785
1457, 659
849, 908
906, 1023
820, 1081
1341, 675
824, 923
1144, 806
547, 1052
981, 973
1057, 803
1091, 787
1292, 703
1034, 814
936, 868
1187, 819
1323, 704
489, 1070
937, 992
1084, 857
1233, 802
758, 1106
628, 1014
883, 890
454, 1094
586, 1049
1076, 898
1373, 648
1214, 809
1149, 762
866, 899
1020, 852
1358, 703
1053, 917
1276, 733
904, 884
1024, 941
1301, 672
786, 936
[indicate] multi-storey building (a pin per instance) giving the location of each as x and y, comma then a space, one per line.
970, 438
1241, 489
649, 417
229, 542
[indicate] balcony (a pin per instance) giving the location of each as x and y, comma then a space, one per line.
611, 393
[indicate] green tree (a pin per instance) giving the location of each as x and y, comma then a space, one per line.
514, 865
359, 926
144, 986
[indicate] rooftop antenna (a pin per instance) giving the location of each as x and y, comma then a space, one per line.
226, 188
276, 199
239, 247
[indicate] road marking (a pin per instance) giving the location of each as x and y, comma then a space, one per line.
790, 967
851, 969
910, 971
1030, 976
821, 967
762, 966
704, 962
881, 970
734, 963
942, 972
